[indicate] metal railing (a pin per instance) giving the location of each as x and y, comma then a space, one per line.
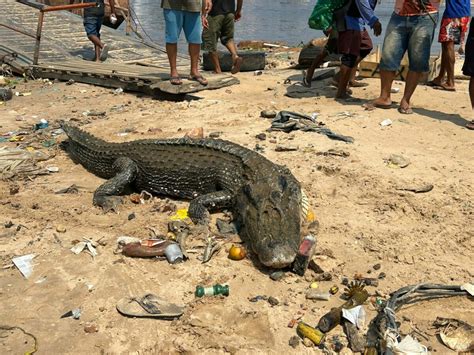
42, 10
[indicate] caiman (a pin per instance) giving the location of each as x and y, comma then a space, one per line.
265, 198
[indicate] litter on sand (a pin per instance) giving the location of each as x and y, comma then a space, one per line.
23, 263
16, 161
87, 245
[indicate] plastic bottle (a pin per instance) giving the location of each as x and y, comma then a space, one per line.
306, 331
215, 290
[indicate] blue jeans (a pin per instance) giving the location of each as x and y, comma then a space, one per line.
177, 20
408, 33
92, 25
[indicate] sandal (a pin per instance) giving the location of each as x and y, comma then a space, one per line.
149, 305
405, 111
199, 78
176, 80
470, 125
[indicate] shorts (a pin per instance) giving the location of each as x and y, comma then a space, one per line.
177, 20
356, 43
220, 27
468, 67
92, 25
447, 24
408, 33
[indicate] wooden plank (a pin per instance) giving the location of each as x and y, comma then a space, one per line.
214, 82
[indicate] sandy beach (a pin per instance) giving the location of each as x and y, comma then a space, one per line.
360, 199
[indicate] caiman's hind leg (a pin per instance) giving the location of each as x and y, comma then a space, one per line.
106, 196
198, 208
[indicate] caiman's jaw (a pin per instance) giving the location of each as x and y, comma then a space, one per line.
281, 256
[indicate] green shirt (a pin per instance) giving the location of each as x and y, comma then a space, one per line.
183, 5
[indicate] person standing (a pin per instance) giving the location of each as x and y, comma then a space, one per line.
190, 16
411, 28
468, 69
354, 42
221, 20
93, 18
452, 31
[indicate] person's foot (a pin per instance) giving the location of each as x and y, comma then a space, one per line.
357, 84
378, 103
176, 80
470, 125
237, 62
445, 87
435, 82
343, 96
336, 84
405, 108
199, 78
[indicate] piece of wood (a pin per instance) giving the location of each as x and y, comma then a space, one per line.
252, 60
188, 86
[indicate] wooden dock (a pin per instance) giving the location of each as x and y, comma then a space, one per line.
66, 53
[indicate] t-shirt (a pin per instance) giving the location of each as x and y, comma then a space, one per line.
416, 7
96, 11
457, 9
183, 5
222, 7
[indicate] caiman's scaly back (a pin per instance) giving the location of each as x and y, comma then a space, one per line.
265, 198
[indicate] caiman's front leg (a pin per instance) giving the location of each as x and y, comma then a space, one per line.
198, 208
106, 196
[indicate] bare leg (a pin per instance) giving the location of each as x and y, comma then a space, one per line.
317, 61
344, 76
215, 61
410, 86
386, 79
470, 125
98, 45
444, 64
450, 60
194, 50
172, 52
236, 60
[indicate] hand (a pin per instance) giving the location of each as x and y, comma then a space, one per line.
237, 16
207, 6
205, 22
377, 28
327, 32
113, 18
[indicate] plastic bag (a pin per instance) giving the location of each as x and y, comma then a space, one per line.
322, 16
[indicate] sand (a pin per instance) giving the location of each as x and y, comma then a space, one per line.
364, 219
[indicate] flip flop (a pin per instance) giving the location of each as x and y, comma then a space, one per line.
176, 80
358, 84
470, 125
199, 78
432, 84
150, 306
104, 52
372, 106
236, 66
443, 87
405, 111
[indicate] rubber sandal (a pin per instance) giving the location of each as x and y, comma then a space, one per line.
236, 65
150, 306
358, 84
372, 106
176, 80
104, 52
470, 125
200, 79
432, 83
443, 87
405, 111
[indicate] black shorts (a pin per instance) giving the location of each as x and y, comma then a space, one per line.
468, 67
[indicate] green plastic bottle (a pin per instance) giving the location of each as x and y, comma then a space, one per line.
215, 290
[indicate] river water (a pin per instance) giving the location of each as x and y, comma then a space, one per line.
269, 20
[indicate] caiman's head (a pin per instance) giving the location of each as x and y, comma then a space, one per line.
269, 211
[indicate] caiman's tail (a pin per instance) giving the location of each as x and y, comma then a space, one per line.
81, 137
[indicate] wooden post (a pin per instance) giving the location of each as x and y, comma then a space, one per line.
38, 37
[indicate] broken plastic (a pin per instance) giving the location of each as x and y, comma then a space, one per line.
87, 245
23, 263
408, 346
355, 315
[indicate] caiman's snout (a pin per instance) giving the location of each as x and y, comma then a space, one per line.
276, 255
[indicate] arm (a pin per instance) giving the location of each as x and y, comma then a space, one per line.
112, 7
206, 8
238, 11
366, 12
